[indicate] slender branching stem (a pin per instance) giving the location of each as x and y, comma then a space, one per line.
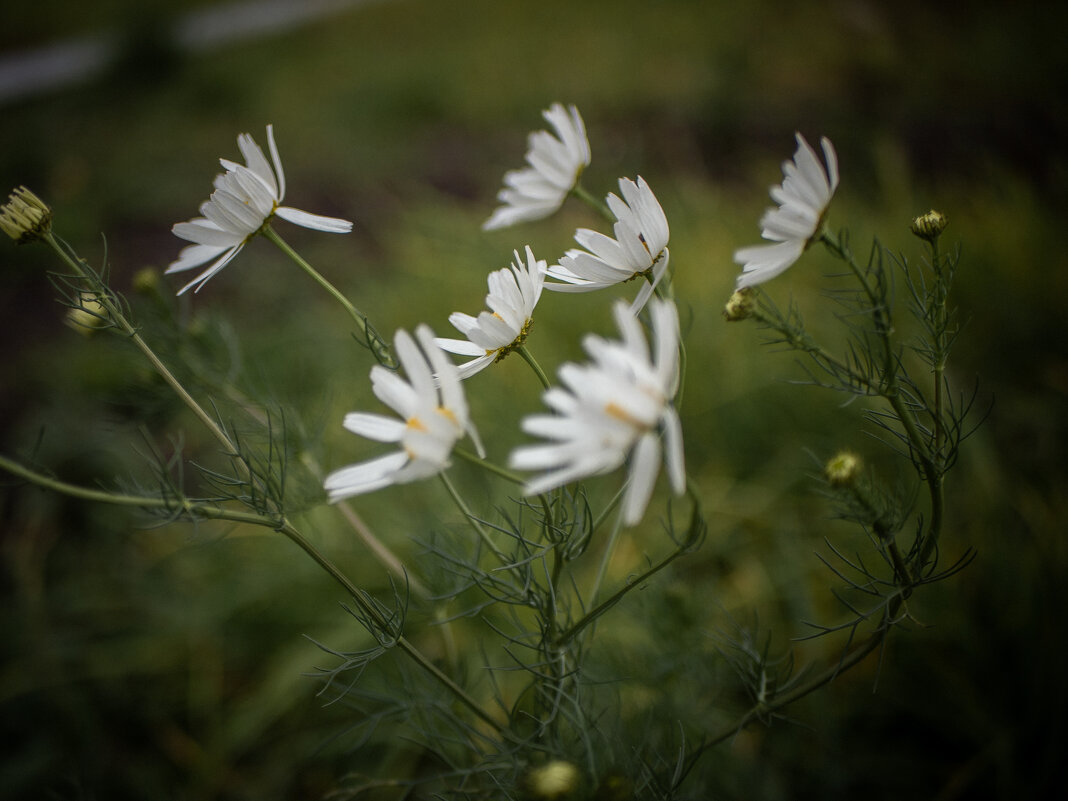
118, 318
197, 509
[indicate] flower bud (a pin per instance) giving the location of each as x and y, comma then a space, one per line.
740, 306
88, 316
929, 226
554, 780
146, 280
842, 470
25, 217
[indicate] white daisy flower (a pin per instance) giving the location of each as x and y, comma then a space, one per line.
555, 165
618, 404
639, 250
433, 412
494, 334
803, 197
246, 196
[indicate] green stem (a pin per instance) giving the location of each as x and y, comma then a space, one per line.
606, 557
476, 524
613, 599
529, 359
371, 337
598, 205
280, 524
489, 467
119, 319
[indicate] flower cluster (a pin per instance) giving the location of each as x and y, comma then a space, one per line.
616, 407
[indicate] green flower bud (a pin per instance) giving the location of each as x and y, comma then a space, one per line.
842, 470
25, 217
740, 306
89, 316
929, 226
552, 781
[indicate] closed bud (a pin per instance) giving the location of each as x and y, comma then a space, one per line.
25, 217
929, 226
553, 781
88, 316
842, 470
740, 306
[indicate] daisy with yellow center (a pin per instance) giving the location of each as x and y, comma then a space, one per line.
433, 417
614, 407
513, 294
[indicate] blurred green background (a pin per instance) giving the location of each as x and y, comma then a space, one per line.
168, 662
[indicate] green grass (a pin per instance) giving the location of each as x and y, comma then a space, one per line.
167, 662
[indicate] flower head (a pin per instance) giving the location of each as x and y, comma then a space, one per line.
513, 294
246, 197
555, 163
638, 251
615, 405
803, 197
25, 217
433, 412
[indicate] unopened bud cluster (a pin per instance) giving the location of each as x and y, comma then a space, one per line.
25, 217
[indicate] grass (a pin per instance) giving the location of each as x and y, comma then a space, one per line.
144, 662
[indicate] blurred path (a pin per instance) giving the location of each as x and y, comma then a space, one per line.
84, 58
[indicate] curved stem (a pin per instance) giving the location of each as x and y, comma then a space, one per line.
598, 205
116, 315
375, 342
280, 524
529, 359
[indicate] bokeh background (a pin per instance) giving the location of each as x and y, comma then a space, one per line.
142, 661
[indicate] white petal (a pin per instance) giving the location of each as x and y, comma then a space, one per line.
645, 464
375, 426
364, 477
332, 225
204, 232
193, 256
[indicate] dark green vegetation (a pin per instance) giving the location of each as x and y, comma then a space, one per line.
167, 662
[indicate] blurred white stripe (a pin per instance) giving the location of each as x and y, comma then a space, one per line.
82, 58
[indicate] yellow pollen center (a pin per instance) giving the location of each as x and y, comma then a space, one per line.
612, 409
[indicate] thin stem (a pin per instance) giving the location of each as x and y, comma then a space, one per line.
116, 315
613, 599
606, 557
368, 608
489, 467
371, 337
476, 524
280, 524
598, 205
529, 359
